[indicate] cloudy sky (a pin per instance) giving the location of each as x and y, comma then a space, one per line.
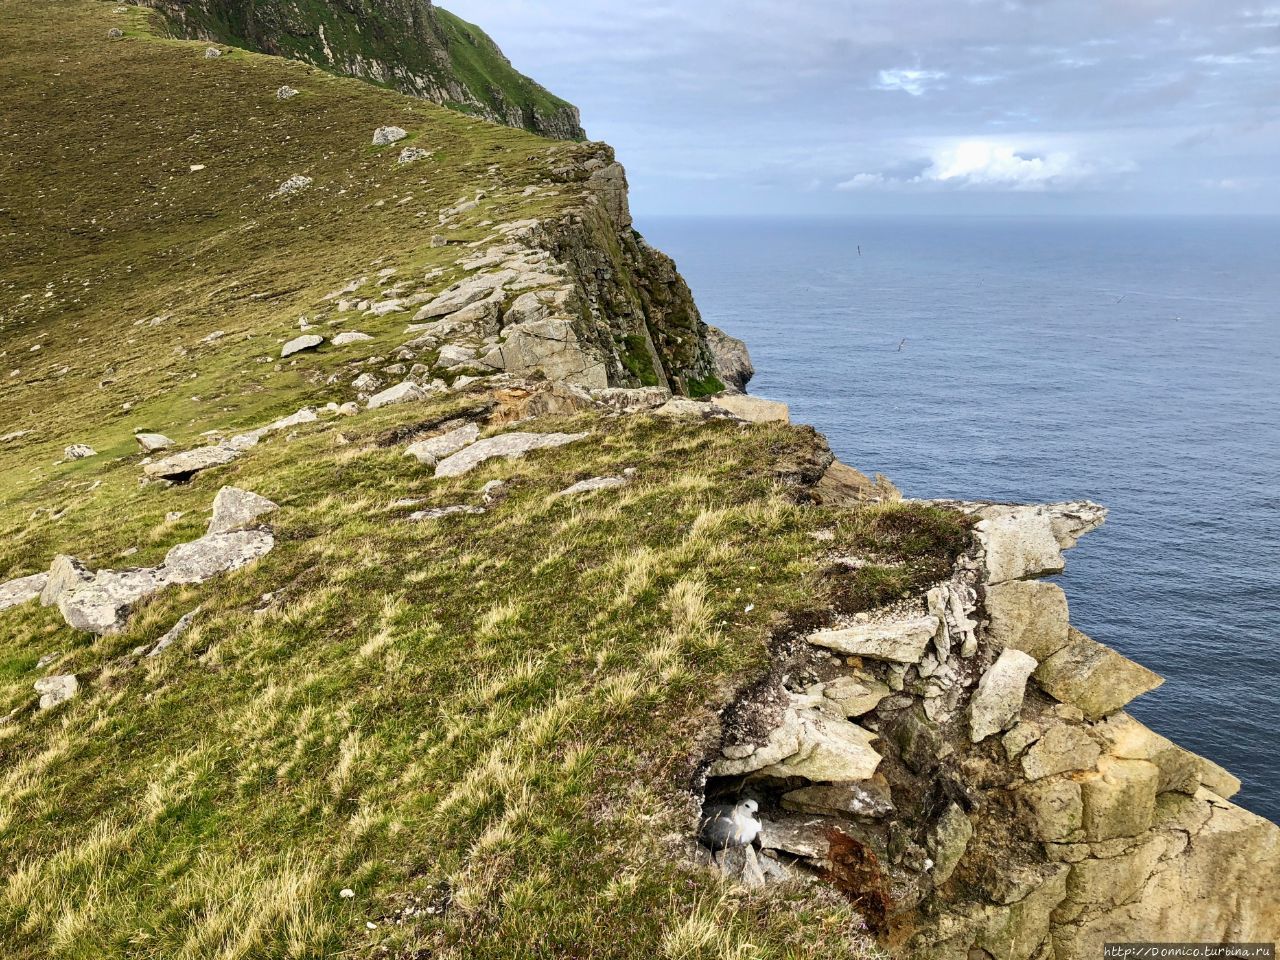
760, 106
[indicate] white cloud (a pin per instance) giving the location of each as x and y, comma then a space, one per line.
914, 82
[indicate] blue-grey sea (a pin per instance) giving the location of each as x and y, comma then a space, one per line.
1135, 362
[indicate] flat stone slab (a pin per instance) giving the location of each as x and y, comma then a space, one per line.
591, 486
509, 446
152, 442
308, 341
102, 605
901, 641
1094, 677
431, 451
182, 466
350, 337
1028, 615
22, 590
999, 696
405, 392
236, 509
199, 560
753, 409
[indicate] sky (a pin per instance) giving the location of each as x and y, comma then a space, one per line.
917, 106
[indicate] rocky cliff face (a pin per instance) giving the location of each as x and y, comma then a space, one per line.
962, 766
410, 45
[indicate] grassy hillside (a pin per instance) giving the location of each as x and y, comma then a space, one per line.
485, 727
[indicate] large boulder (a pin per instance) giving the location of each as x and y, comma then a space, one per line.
103, 604
901, 641
406, 392
152, 442
308, 341
236, 509
1094, 677
431, 451
508, 446
183, 466
22, 590
999, 696
732, 359
1028, 615
215, 553
65, 573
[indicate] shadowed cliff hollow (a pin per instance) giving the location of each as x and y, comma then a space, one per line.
410, 45
391, 566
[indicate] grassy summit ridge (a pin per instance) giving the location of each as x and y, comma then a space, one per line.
486, 727
410, 45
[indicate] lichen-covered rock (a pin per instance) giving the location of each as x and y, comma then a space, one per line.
308, 341
183, 466
406, 392
999, 696
350, 337
1028, 615
102, 605
1064, 747
431, 451
1054, 809
1094, 677
948, 841
866, 799
215, 553
295, 184
1119, 798
79, 451
851, 697
22, 590
508, 446
732, 359
65, 573
753, 409
385, 136
152, 442
55, 691
175, 633
902, 641
236, 509
593, 485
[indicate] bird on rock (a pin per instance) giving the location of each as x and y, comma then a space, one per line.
729, 825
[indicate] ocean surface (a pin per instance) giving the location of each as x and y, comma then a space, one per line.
1135, 362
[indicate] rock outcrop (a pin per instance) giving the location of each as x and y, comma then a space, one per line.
1013, 808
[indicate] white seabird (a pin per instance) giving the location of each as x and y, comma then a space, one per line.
729, 825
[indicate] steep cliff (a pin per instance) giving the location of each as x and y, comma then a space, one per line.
410, 45
371, 585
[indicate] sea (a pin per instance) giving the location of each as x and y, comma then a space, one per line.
1130, 361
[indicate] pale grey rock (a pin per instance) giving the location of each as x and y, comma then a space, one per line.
999, 696
682, 408
431, 451
366, 383
79, 451
406, 392
308, 341
869, 799
102, 605
215, 553
152, 442
591, 486
236, 509
901, 641
550, 347
286, 93
806, 838
47, 660
452, 355
463, 294
385, 307
609, 182
350, 337
733, 361
852, 697
115, 33
412, 154
305, 415
753, 409
175, 634
181, 466
1028, 615
507, 445
1019, 543
294, 184
385, 136
65, 574
55, 691
632, 400
22, 590
439, 513
212, 53
527, 308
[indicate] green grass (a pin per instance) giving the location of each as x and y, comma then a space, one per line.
496, 717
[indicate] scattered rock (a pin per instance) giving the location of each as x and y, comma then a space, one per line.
183, 466
235, 509
998, 699
308, 341
439, 513
215, 553
115, 33
753, 409
65, 574
590, 486
948, 842
903, 641
507, 445
406, 392
286, 93
55, 691
152, 442
212, 53
385, 136
22, 590
432, 451
79, 451
410, 154
174, 634
350, 337
294, 184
